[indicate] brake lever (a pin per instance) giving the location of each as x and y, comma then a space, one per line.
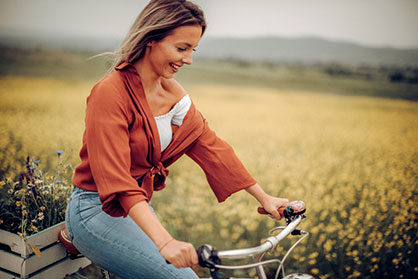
208, 257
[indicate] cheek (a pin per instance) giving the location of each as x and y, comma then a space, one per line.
171, 54
163, 54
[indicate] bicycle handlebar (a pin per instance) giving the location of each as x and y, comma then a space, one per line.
293, 209
261, 210
270, 243
294, 213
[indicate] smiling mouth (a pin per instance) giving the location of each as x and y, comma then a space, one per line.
175, 67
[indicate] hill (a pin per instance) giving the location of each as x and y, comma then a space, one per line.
388, 82
305, 50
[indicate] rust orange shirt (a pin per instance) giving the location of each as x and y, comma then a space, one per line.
121, 144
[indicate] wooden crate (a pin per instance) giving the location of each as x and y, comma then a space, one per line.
17, 259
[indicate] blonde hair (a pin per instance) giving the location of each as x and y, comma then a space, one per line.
156, 21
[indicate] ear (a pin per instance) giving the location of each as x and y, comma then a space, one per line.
150, 44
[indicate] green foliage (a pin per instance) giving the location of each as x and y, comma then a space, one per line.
35, 200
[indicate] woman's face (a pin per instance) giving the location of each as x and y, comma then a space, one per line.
168, 55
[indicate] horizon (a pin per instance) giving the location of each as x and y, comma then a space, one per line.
37, 36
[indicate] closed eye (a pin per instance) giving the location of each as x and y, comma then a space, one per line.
184, 49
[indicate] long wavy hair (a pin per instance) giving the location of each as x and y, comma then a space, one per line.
156, 21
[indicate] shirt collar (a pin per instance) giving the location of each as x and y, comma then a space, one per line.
123, 65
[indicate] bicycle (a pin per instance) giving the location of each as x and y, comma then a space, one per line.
212, 259
293, 214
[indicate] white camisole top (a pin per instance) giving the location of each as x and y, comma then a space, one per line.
174, 117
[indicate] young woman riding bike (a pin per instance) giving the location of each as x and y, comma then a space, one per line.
140, 120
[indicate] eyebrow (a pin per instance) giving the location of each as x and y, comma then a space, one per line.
187, 44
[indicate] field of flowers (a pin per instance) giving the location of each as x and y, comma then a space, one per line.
353, 160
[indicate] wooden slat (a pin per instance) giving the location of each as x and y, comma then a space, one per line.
40, 240
20, 265
11, 262
44, 238
52, 264
12, 240
7, 275
49, 256
62, 268
47, 267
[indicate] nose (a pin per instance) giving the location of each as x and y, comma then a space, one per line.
188, 58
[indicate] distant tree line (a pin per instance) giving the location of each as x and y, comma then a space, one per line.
392, 73
406, 74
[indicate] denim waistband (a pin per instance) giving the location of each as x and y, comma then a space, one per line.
75, 188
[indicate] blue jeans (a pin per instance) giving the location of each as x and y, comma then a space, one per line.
116, 244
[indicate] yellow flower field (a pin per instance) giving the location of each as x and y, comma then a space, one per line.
353, 160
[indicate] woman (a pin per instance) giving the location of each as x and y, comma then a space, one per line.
139, 121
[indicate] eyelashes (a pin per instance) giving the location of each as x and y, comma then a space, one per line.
184, 49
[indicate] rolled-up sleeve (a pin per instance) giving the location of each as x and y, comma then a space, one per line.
107, 139
224, 171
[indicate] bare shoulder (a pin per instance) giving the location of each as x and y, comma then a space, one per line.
174, 87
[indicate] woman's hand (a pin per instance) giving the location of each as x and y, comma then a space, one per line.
271, 204
180, 254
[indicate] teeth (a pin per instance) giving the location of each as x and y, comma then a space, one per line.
175, 66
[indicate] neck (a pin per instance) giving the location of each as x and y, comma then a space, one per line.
150, 80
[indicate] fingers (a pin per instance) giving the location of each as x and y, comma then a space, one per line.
276, 215
284, 202
275, 207
194, 257
180, 254
189, 255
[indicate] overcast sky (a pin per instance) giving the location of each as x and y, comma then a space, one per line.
369, 22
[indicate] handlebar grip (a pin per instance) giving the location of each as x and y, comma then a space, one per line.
261, 210
293, 208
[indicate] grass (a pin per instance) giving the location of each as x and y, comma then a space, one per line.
78, 66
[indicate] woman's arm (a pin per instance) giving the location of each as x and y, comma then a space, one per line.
178, 253
271, 204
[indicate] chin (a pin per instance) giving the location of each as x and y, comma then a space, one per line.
168, 75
